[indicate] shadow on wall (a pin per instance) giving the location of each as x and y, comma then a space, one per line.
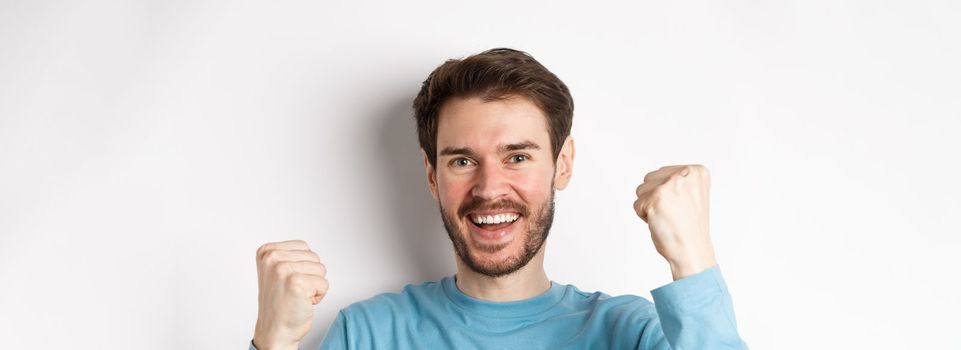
423, 250
415, 213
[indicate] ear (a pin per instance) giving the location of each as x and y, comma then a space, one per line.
431, 175
565, 164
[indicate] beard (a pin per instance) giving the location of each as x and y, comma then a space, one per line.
538, 227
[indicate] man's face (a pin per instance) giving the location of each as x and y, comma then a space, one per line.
495, 179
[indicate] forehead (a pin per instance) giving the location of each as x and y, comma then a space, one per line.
473, 122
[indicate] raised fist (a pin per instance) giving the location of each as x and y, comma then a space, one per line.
673, 200
291, 281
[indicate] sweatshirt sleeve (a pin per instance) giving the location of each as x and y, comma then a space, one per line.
696, 312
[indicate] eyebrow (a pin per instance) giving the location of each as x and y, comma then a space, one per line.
467, 151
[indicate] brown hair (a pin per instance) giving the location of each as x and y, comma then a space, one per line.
493, 75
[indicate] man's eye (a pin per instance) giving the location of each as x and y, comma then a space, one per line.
462, 162
517, 158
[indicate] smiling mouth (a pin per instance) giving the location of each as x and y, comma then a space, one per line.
493, 226
493, 219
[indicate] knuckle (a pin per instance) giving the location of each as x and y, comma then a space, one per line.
264, 249
657, 192
640, 209
284, 268
323, 269
271, 257
655, 200
297, 282
697, 169
649, 211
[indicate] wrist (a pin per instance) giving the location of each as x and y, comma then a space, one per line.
693, 266
262, 344
266, 340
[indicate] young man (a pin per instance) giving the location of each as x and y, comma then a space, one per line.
494, 129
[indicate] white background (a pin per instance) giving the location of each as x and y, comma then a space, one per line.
147, 148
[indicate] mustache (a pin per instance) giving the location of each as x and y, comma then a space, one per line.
477, 204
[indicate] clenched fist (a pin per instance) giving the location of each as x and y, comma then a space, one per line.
673, 200
291, 281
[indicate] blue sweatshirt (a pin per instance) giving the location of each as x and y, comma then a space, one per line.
694, 312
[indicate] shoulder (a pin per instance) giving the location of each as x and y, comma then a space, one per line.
622, 318
406, 302
626, 305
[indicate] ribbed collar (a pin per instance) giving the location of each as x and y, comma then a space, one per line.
508, 309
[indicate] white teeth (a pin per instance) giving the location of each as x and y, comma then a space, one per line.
494, 219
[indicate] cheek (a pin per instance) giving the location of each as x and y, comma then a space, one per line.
451, 191
535, 185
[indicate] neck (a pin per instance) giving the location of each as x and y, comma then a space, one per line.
527, 282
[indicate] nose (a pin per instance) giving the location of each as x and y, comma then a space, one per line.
490, 183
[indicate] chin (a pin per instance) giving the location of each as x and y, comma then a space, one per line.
495, 254
497, 260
